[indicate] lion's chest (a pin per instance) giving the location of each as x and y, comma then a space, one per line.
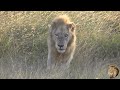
61, 58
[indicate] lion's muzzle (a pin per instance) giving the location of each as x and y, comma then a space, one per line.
61, 48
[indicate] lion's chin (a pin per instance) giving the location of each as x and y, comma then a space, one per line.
61, 51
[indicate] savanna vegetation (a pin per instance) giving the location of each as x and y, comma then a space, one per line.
23, 44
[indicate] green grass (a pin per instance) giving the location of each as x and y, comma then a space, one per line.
23, 44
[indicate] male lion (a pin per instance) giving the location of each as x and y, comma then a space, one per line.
61, 42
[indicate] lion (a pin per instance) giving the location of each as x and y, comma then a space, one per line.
61, 41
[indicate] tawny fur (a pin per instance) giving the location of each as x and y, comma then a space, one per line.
54, 57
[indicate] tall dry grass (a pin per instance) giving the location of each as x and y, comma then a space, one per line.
23, 44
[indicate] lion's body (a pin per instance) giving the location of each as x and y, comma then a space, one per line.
56, 55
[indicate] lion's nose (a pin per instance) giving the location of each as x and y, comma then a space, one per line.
60, 46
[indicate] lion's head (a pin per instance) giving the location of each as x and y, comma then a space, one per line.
62, 31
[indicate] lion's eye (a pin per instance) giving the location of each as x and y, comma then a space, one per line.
66, 35
56, 35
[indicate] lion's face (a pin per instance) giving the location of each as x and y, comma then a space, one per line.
62, 35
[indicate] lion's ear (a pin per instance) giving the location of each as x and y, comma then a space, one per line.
71, 26
53, 25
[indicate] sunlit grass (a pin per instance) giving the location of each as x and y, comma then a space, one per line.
23, 44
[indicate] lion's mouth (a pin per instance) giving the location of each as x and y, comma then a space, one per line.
61, 50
